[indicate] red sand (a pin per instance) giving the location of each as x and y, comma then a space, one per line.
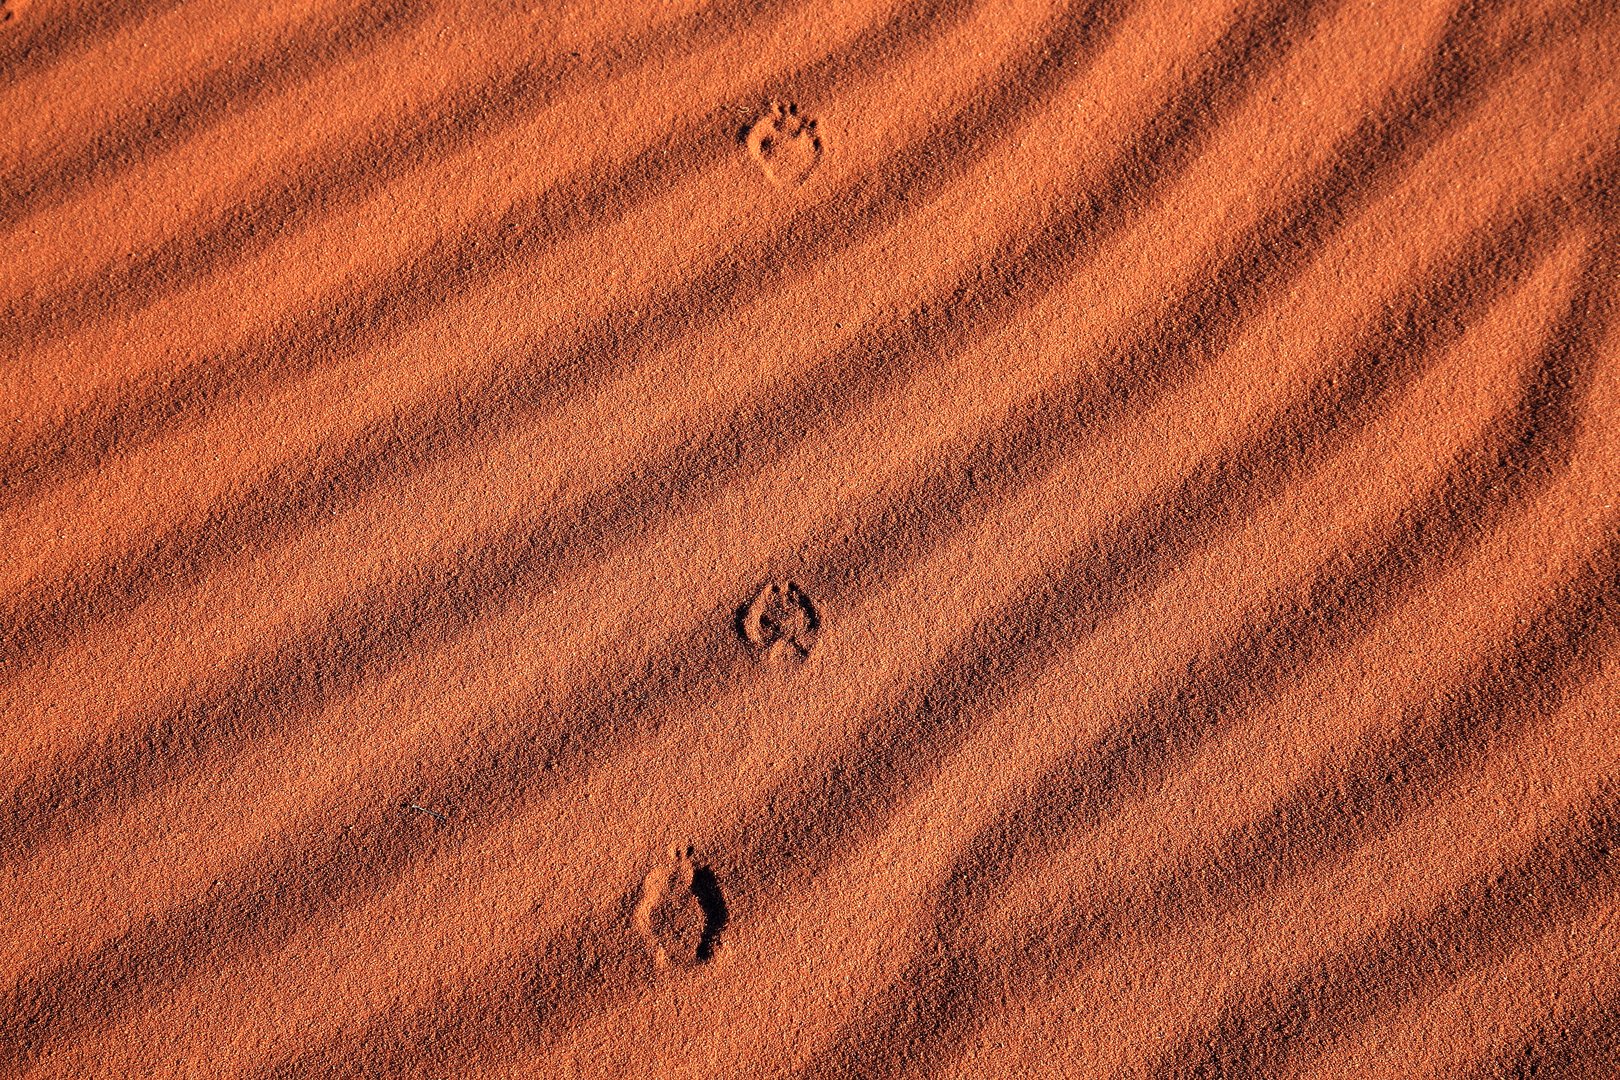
721, 538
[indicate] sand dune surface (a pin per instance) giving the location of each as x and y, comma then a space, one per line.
746, 538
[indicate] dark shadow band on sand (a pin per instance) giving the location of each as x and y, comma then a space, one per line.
299, 54
41, 43
1573, 1044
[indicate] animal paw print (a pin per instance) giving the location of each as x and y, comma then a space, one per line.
780, 622
784, 144
681, 912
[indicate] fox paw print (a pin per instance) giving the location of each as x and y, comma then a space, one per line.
785, 145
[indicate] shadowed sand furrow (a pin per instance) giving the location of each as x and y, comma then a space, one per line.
355, 168
1582, 1045
237, 84
443, 598
1567, 871
404, 295
797, 829
40, 43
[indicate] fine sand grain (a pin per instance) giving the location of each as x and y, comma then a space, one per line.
749, 538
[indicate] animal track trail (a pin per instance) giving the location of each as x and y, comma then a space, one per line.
681, 911
780, 623
785, 145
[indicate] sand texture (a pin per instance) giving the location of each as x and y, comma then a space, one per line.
757, 538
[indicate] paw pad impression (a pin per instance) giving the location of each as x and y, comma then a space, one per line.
780, 622
785, 145
681, 911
